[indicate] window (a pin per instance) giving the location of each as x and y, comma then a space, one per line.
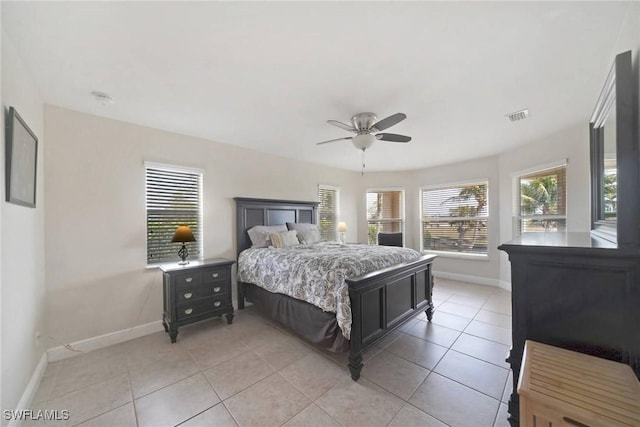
385, 213
540, 202
610, 189
174, 198
455, 217
328, 211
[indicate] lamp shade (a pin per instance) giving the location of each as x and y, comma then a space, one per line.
183, 234
342, 227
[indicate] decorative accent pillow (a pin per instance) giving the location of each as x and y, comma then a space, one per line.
302, 226
309, 237
259, 234
285, 239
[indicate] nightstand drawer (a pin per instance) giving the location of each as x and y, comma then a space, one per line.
187, 311
213, 275
187, 281
187, 294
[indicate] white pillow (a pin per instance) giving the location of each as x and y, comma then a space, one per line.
259, 234
309, 237
285, 239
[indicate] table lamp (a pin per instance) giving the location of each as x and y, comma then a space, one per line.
182, 235
342, 228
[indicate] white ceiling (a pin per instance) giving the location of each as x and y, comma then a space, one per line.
267, 75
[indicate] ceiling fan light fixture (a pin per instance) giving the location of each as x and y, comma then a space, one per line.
363, 141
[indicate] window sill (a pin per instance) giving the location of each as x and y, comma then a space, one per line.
160, 264
466, 256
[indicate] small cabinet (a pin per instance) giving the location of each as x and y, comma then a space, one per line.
562, 388
196, 291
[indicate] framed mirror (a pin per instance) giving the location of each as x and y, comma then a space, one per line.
615, 159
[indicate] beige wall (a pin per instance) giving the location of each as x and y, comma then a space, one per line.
628, 39
570, 144
22, 245
480, 169
95, 226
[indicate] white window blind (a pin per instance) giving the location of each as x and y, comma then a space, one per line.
328, 211
174, 198
540, 202
455, 218
385, 213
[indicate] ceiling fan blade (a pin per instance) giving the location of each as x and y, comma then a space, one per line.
389, 121
341, 125
333, 140
393, 137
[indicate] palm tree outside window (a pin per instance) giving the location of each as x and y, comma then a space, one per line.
540, 204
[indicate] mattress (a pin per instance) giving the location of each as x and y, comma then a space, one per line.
317, 273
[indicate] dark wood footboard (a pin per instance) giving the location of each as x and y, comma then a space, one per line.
384, 300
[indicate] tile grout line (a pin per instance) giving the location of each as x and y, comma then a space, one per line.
133, 401
469, 387
105, 412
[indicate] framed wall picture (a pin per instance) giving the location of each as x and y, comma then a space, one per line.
21, 161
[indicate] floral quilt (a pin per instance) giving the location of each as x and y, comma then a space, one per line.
316, 273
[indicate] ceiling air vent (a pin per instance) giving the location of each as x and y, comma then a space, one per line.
518, 115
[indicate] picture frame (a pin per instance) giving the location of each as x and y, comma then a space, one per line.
21, 161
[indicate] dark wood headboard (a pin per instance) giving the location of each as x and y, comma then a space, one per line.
252, 212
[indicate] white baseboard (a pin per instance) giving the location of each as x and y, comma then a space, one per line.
470, 279
505, 285
95, 343
32, 388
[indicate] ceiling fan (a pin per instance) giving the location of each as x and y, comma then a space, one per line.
366, 126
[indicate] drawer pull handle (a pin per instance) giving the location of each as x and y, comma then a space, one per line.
217, 303
188, 311
216, 289
188, 279
188, 295
215, 275
573, 422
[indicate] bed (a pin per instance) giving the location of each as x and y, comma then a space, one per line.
381, 301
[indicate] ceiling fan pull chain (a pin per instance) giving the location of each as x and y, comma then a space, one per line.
362, 173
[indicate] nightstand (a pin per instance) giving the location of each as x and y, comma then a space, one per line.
194, 292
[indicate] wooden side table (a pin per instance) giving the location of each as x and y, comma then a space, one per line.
562, 388
196, 291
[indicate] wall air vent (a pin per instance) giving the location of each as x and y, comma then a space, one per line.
518, 115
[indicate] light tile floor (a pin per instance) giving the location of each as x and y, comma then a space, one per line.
252, 373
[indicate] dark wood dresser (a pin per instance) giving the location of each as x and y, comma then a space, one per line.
196, 291
577, 292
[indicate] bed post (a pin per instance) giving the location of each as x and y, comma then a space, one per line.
430, 309
355, 365
355, 342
